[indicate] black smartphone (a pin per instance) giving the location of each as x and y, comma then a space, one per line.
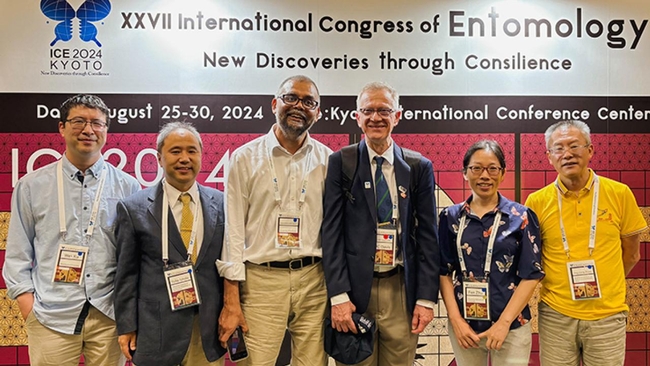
237, 346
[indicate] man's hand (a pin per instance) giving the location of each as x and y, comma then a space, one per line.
25, 303
342, 317
127, 344
422, 316
231, 315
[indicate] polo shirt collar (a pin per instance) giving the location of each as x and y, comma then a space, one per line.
564, 190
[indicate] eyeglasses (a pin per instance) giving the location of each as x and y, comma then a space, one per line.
561, 150
80, 124
292, 99
492, 170
383, 112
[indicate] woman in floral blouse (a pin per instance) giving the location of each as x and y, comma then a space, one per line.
490, 253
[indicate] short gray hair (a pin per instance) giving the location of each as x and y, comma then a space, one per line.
380, 85
581, 126
170, 127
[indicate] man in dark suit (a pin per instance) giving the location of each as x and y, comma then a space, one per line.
380, 255
168, 293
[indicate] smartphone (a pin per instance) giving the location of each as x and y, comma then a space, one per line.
237, 346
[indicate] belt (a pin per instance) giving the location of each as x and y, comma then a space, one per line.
298, 263
386, 274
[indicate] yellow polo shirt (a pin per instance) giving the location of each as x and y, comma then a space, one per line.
618, 216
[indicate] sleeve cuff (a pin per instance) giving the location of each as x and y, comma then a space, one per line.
231, 271
426, 303
340, 299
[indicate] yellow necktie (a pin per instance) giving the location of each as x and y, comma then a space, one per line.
187, 219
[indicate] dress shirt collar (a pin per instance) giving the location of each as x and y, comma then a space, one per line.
389, 154
70, 171
273, 143
173, 194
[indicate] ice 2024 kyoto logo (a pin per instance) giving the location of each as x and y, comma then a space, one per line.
89, 11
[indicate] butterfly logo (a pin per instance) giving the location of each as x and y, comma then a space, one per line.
467, 248
506, 264
62, 12
514, 211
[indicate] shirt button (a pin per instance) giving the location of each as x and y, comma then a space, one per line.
88, 275
579, 213
85, 208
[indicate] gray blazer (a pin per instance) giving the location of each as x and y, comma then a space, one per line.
141, 299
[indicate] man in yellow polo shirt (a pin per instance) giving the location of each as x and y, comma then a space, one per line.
590, 229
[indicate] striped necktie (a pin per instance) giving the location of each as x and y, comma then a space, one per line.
384, 204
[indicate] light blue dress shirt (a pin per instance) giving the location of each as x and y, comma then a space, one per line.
34, 238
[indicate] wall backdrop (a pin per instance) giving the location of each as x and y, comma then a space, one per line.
466, 70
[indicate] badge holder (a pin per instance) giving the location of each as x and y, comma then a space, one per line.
476, 299
70, 264
181, 285
584, 280
288, 230
385, 252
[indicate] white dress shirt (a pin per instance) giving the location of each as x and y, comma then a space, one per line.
176, 205
251, 207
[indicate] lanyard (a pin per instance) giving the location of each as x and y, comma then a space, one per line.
594, 217
276, 186
165, 223
488, 255
95, 209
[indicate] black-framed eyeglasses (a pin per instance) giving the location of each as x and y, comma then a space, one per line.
80, 123
561, 150
383, 112
492, 170
292, 99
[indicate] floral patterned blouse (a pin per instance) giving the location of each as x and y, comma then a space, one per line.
516, 254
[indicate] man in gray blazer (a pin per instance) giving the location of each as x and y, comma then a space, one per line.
167, 289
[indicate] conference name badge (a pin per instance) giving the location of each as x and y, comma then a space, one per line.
476, 300
70, 264
584, 280
181, 285
288, 231
385, 249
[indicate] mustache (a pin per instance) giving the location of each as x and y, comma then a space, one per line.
297, 112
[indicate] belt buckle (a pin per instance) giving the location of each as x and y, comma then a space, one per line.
291, 262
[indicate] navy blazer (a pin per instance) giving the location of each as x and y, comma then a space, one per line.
349, 231
141, 298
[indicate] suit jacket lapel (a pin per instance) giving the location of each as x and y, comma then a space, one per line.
365, 175
210, 213
403, 179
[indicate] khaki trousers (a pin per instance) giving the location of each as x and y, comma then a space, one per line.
276, 299
565, 341
97, 342
515, 350
395, 345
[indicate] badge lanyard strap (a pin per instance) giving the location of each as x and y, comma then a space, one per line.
276, 186
594, 217
490, 247
165, 231
92, 222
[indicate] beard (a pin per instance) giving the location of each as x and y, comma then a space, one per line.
290, 126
